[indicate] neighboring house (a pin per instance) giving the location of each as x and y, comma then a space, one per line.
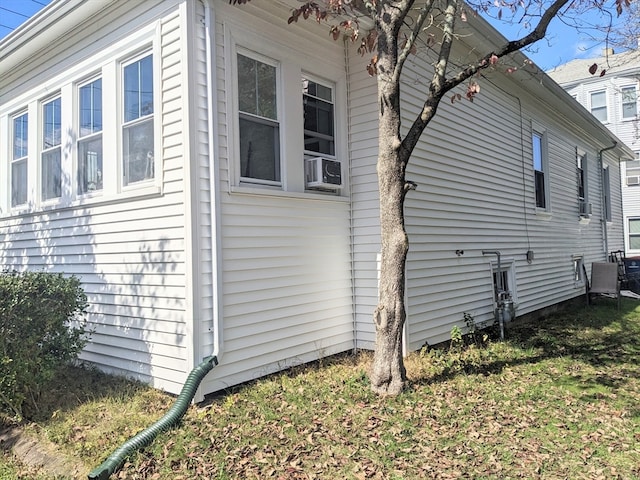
208, 171
613, 99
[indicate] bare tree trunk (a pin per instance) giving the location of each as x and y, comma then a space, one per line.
388, 375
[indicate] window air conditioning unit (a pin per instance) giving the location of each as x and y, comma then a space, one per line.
323, 173
633, 180
585, 209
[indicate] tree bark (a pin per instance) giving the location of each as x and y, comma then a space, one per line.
388, 375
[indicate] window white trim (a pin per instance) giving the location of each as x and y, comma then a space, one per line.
152, 159
45, 149
106, 65
600, 108
633, 102
21, 157
540, 131
292, 65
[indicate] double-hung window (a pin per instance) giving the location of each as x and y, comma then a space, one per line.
582, 175
259, 128
318, 118
539, 145
90, 171
19, 159
634, 234
599, 105
51, 160
629, 103
137, 127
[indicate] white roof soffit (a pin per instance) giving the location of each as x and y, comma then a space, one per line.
36, 33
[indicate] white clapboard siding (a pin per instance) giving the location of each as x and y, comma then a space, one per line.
129, 253
286, 263
475, 192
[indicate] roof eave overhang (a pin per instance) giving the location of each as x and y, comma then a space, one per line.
36, 33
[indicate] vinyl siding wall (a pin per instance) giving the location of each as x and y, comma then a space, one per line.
127, 247
286, 261
473, 167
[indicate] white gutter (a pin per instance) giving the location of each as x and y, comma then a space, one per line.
212, 129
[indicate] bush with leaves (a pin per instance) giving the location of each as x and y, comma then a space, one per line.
42, 327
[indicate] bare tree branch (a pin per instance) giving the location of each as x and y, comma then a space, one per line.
439, 86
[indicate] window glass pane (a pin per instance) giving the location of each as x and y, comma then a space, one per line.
20, 136
90, 165
580, 160
598, 99
257, 88
18, 183
318, 118
51, 124
537, 151
634, 225
599, 105
138, 152
634, 243
259, 150
538, 167
51, 174
90, 108
138, 89
633, 167
629, 102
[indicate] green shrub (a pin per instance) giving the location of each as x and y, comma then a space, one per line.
42, 327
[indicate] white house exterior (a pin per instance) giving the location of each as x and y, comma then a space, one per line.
614, 99
156, 149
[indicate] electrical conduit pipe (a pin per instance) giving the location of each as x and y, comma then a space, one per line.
171, 418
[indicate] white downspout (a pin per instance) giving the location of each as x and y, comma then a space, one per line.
212, 129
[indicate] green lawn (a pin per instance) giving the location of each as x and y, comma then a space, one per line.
558, 399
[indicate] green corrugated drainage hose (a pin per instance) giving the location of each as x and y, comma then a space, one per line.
172, 417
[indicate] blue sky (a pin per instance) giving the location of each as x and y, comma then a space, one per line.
15, 12
562, 45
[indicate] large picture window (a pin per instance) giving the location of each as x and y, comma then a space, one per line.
90, 172
137, 129
19, 159
51, 159
258, 121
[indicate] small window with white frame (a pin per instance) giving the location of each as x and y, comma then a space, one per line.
629, 96
259, 126
598, 105
51, 154
582, 176
19, 158
138, 120
318, 117
540, 168
90, 171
